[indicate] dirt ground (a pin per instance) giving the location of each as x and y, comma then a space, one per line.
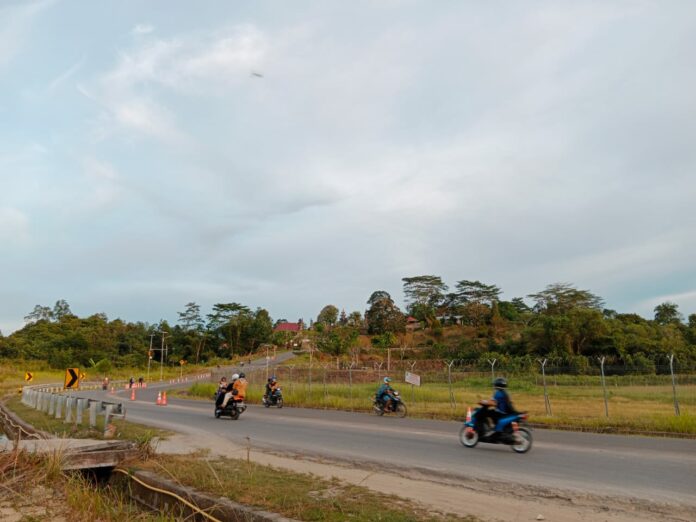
486, 500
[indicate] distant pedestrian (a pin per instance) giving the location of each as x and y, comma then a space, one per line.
131, 382
140, 382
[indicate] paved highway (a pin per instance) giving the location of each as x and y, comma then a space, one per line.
650, 469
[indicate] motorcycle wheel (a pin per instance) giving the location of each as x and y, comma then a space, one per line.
280, 402
400, 410
377, 410
468, 441
217, 414
524, 443
234, 414
267, 404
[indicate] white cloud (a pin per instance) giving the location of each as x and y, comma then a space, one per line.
15, 24
14, 226
141, 29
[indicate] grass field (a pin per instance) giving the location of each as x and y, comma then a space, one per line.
576, 402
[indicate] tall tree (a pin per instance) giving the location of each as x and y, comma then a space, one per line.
192, 323
667, 313
559, 298
424, 292
228, 319
477, 292
328, 315
378, 295
61, 310
39, 313
384, 316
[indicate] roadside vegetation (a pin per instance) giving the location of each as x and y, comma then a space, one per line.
34, 488
294, 495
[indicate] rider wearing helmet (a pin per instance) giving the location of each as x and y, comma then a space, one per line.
271, 387
384, 393
498, 406
240, 385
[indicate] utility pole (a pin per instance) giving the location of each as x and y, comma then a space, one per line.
149, 357
162, 355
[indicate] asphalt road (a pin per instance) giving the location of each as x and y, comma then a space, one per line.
652, 469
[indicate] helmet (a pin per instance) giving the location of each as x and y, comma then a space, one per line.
242, 375
387, 380
270, 379
235, 376
500, 383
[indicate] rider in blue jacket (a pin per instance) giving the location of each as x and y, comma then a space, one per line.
384, 393
498, 407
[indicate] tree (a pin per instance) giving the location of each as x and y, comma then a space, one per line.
39, 313
355, 319
61, 310
192, 323
378, 295
343, 318
328, 315
228, 320
384, 316
424, 292
667, 313
477, 292
559, 298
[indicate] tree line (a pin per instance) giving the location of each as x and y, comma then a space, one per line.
470, 322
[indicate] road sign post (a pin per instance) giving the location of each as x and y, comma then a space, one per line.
72, 379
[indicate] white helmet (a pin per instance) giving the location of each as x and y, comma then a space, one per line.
235, 376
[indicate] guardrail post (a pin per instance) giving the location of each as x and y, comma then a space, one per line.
59, 406
92, 414
52, 405
78, 413
604, 386
68, 409
674, 384
107, 417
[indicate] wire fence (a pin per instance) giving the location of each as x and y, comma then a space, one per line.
442, 388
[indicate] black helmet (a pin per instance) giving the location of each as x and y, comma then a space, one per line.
500, 383
242, 375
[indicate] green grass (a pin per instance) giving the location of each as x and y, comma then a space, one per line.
295, 495
42, 421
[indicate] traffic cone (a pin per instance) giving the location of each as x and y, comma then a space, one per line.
159, 399
113, 390
132, 394
144, 385
164, 398
468, 414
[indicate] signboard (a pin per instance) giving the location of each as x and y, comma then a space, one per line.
28, 376
412, 378
83, 376
72, 378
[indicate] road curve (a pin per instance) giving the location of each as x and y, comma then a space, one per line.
650, 469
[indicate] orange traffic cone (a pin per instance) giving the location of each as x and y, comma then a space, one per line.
132, 394
468, 414
159, 399
164, 398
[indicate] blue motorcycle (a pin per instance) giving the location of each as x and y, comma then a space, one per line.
507, 430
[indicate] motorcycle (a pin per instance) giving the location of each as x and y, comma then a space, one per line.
275, 399
233, 409
396, 406
509, 432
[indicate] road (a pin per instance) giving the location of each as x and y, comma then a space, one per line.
650, 469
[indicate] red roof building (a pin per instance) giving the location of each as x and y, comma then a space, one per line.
288, 327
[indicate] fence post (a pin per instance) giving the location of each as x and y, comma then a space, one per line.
492, 363
310, 375
547, 402
350, 383
292, 384
78, 415
59, 407
674, 384
326, 391
449, 382
604, 385
379, 370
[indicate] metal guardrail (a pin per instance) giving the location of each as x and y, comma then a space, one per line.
53, 400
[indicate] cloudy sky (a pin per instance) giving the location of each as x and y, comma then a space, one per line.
294, 154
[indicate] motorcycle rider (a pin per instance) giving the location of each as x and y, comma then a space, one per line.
497, 406
385, 393
271, 387
229, 394
240, 384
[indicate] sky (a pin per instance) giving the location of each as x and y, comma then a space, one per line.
289, 155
